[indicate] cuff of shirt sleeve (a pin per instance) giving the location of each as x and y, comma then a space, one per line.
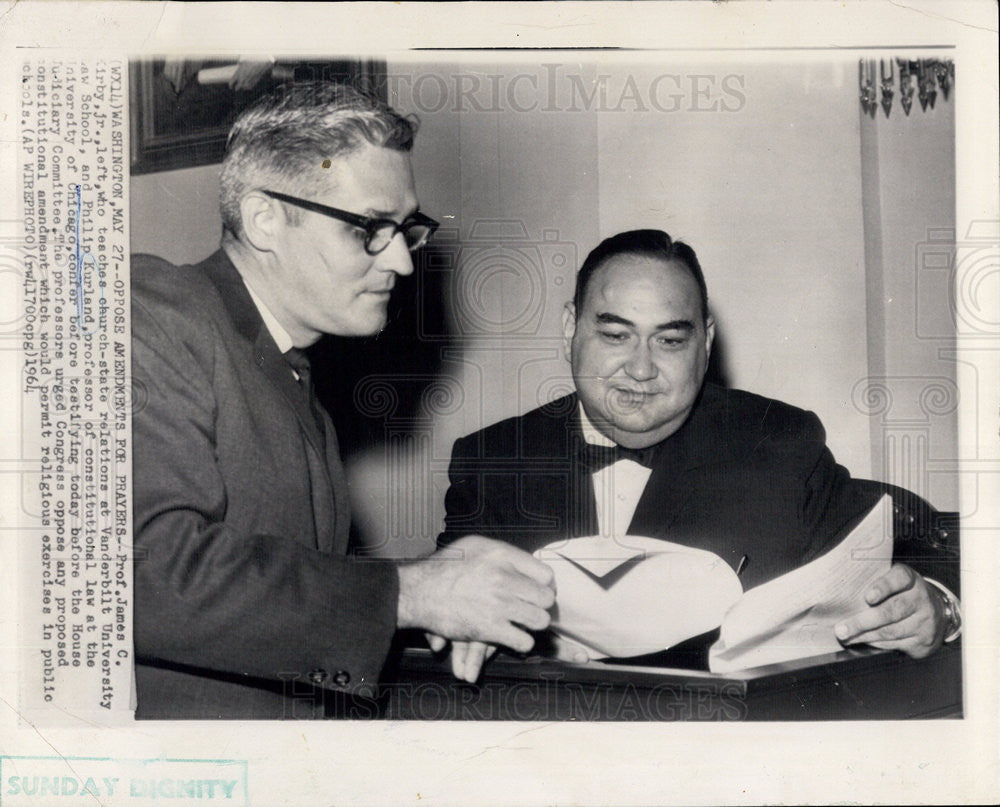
956, 609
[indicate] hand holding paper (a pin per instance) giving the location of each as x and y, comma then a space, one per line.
905, 614
630, 595
793, 616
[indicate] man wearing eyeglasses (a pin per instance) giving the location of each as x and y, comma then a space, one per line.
246, 605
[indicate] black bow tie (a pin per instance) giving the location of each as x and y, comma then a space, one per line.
595, 458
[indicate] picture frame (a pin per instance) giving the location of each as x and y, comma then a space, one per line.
182, 108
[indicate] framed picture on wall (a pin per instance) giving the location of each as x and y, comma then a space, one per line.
182, 107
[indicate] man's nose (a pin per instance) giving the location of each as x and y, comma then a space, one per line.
396, 257
640, 364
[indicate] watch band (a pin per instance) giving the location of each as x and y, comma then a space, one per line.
951, 609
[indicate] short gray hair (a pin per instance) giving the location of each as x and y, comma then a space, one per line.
282, 139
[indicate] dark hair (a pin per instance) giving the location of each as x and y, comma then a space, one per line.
641, 243
284, 137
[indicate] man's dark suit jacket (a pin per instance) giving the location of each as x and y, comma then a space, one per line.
744, 476
245, 603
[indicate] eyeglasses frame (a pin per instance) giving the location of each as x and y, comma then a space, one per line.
369, 224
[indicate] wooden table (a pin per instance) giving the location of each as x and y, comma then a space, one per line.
864, 684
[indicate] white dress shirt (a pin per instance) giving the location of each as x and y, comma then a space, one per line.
617, 487
279, 334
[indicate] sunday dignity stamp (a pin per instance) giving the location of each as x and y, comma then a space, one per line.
113, 782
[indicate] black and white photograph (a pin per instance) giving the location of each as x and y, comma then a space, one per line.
470, 388
620, 412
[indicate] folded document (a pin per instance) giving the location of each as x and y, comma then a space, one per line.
630, 595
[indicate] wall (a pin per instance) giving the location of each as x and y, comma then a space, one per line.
175, 214
912, 391
764, 181
518, 194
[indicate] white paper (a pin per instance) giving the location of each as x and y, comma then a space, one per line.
632, 595
793, 615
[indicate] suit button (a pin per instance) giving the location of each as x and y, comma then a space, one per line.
342, 678
318, 677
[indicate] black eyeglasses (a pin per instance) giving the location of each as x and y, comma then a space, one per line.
416, 228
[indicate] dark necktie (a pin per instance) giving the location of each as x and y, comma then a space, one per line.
327, 476
299, 362
595, 458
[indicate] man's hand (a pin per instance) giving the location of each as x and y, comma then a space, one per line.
906, 614
477, 589
468, 658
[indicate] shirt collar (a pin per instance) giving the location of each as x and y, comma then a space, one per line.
279, 334
590, 432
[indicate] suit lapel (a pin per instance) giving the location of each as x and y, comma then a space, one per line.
328, 485
660, 503
267, 358
582, 501
667, 493
555, 496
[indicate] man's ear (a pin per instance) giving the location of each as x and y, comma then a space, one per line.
263, 220
569, 329
709, 336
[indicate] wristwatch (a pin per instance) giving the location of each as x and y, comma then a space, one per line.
951, 610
